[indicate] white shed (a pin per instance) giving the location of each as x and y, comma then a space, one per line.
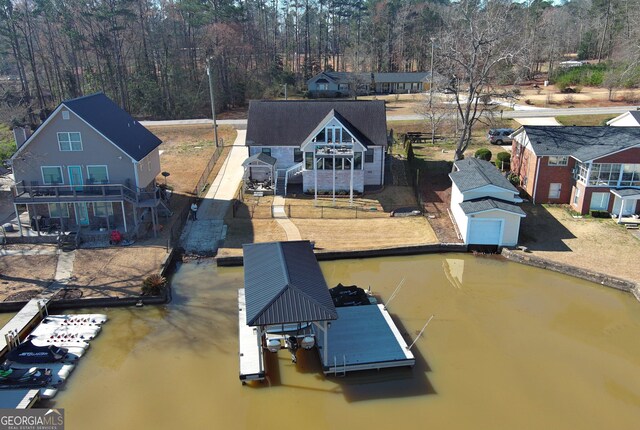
483, 204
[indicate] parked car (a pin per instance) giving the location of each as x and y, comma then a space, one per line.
500, 136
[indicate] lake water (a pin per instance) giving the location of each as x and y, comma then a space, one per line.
510, 347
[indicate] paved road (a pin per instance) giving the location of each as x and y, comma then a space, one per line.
519, 112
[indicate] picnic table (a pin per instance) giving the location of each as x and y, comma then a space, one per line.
420, 137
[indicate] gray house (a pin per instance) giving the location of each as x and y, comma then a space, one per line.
343, 84
89, 166
335, 147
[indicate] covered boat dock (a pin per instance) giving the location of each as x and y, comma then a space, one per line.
284, 287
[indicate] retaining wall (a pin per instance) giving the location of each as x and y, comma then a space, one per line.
589, 275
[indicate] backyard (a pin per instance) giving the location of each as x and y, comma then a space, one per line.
119, 271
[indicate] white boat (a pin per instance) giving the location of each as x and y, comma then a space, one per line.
66, 332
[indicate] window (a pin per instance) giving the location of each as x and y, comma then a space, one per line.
357, 161
65, 114
576, 196
266, 151
69, 141
554, 190
558, 161
58, 210
308, 160
605, 174
297, 155
599, 202
323, 87
98, 174
343, 87
368, 156
51, 175
630, 175
581, 172
103, 209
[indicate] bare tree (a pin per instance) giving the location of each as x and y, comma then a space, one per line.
436, 112
476, 38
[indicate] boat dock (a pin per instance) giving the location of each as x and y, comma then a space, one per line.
22, 323
23, 398
252, 366
363, 338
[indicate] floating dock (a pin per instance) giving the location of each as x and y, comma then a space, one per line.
363, 338
252, 367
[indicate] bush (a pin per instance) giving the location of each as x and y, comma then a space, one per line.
154, 285
410, 154
483, 154
600, 214
503, 160
514, 179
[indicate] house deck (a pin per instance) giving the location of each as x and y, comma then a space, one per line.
362, 338
251, 354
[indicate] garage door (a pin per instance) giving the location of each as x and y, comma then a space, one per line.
485, 231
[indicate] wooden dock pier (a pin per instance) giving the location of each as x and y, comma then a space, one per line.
252, 366
23, 322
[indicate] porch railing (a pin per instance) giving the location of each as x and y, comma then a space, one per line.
34, 193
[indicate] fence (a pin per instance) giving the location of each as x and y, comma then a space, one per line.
245, 210
203, 181
176, 229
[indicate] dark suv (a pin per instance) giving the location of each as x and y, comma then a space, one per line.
500, 136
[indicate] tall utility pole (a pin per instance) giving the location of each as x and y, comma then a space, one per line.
213, 101
431, 75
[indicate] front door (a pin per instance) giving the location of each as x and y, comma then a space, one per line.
82, 214
75, 177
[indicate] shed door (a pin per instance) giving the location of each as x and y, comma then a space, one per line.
485, 231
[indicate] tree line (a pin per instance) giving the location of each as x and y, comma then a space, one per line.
150, 56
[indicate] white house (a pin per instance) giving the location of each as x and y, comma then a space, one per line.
335, 147
483, 204
627, 119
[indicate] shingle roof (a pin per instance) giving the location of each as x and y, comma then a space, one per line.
289, 123
582, 143
488, 203
398, 77
115, 124
474, 173
284, 284
261, 156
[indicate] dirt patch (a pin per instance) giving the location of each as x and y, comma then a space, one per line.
115, 271
24, 276
594, 244
241, 231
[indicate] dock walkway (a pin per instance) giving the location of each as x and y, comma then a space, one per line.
28, 317
251, 354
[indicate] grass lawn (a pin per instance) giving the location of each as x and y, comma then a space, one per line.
581, 120
549, 231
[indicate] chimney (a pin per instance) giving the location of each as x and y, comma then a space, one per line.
21, 134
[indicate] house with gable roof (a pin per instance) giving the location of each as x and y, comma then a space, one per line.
335, 147
589, 168
484, 204
89, 166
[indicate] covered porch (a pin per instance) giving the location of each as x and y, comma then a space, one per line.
625, 206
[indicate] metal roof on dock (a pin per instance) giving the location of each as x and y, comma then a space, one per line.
284, 284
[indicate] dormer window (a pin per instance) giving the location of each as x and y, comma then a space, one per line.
69, 141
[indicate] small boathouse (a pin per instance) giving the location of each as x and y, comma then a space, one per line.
285, 303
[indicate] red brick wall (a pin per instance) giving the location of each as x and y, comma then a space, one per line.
554, 174
524, 166
630, 156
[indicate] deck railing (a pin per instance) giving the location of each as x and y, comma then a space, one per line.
34, 193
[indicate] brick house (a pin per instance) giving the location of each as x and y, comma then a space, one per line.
335, 147
590, 168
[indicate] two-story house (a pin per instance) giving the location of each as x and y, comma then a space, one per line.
590, 168
90, 164
484, 204
334, 147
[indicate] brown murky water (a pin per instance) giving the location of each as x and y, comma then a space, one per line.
510, 347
